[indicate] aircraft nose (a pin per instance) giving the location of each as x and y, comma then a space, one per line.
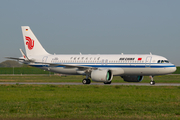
172, 69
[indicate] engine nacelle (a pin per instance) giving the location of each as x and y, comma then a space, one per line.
132, 78
103, 75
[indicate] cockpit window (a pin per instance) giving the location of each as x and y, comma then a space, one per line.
166, 61
163, 61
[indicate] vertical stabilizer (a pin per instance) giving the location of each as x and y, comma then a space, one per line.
32, 46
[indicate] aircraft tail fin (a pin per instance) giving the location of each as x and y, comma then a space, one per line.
32, 46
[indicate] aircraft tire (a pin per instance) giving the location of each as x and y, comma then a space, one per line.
86, 81
107, 82
152, 83
89, 81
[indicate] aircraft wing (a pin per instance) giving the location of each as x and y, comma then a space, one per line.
66, 65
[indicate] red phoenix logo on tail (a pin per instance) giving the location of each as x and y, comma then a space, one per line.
29, 43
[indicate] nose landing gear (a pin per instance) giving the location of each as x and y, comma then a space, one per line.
152, 80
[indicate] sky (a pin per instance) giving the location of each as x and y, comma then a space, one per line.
93, 26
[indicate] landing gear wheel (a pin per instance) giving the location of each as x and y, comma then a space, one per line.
152, 80
152, 83
86, 81
107, 82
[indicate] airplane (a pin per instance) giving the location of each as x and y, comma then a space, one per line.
98, 67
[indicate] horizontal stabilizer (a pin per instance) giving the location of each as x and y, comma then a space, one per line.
15, 58
24, 58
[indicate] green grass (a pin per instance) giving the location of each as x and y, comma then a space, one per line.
79, 78
68, 102
177, 71
89, 102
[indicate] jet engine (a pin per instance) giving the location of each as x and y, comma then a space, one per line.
132, 78
102, 75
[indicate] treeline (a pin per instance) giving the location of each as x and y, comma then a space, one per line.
14, 67
22, 70
11, 63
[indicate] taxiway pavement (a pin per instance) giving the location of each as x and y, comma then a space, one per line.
68, 83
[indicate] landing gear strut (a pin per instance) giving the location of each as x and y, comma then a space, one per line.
152, 80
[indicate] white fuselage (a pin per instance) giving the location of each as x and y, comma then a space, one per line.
100, 68
119, 64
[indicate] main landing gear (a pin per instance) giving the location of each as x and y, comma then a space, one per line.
152, 81
86, 81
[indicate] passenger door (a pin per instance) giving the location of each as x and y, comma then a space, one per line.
148, 61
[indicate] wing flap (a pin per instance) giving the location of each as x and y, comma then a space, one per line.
66, 65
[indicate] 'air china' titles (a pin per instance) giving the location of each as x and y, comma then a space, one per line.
126, 58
